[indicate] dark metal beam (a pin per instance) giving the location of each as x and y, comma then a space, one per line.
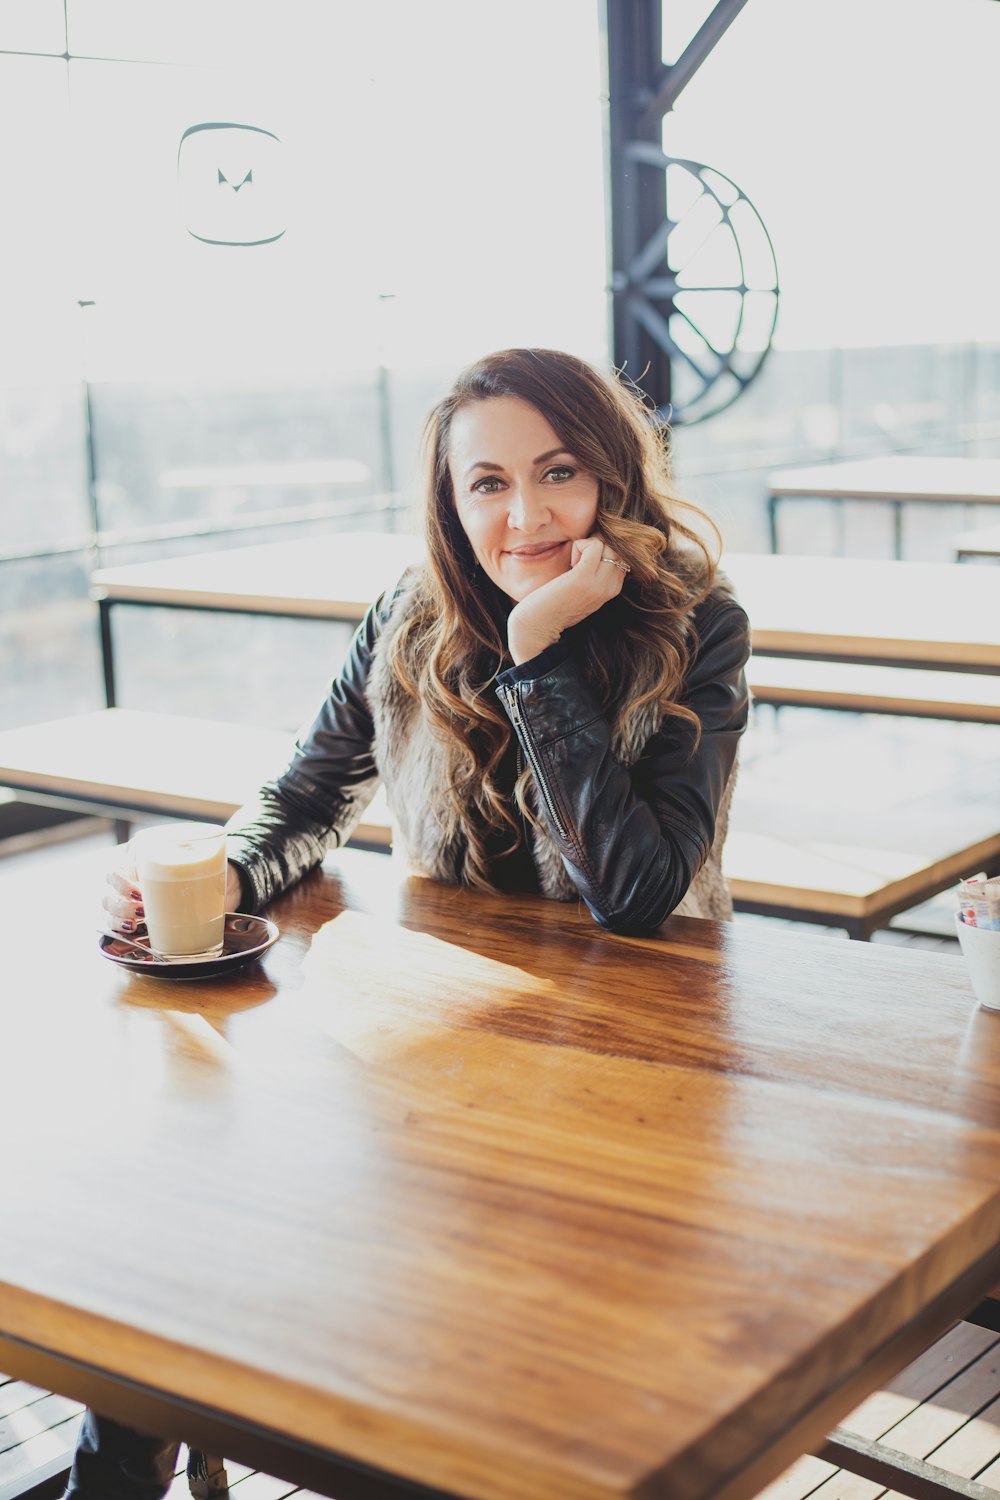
635, 46
640, 92
678, 75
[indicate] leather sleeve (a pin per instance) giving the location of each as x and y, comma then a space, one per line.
314, 804
633, 839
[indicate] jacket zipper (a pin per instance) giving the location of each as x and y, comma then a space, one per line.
510, 693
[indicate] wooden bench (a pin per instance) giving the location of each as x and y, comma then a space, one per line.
785, 681
154, 765
847, 820
793, 850
857, 886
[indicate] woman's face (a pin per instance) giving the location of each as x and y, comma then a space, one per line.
522, 498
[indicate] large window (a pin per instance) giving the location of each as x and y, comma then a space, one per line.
865, 133
247, 247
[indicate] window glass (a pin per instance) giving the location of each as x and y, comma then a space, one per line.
42, 452
221, 233
38, 312
484, 224
49, 648
681, 20
32, 26
864, 136
876, 200
490, 205
242, 669
197, 457
256, 280
307, 330
221, 31
43, 468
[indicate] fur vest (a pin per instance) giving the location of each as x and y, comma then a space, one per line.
414, 771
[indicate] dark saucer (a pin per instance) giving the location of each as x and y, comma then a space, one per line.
245, 938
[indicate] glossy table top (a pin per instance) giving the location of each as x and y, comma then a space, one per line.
459, 1190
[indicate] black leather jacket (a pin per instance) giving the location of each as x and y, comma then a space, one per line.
631, 839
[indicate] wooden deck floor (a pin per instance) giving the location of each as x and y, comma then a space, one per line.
945, 1408
37, 1435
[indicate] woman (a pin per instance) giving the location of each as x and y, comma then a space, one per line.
553, 700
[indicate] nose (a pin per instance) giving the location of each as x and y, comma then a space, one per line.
528, 508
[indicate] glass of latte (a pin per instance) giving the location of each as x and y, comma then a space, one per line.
181, 870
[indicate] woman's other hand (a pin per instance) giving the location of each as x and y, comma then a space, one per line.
123, 902
595, 576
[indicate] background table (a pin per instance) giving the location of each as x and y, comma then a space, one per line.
936, 615
458, 1190
332, 577
892, 479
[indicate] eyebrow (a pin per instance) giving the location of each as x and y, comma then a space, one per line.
542, 458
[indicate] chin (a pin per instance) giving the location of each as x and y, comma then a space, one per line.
518, 589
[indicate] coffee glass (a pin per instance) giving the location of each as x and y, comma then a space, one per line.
181, 870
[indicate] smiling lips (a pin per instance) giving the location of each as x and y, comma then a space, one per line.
538, 553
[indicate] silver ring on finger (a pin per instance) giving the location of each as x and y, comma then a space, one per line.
616, 562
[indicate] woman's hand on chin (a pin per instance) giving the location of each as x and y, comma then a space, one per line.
540, 618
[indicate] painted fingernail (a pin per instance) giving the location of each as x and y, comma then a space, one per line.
140, 911
135, 895
126, 925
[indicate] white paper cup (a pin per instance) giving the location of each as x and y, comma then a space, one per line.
981, 946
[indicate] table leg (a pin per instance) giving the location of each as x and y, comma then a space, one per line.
897, 529
841, 528
772, 520
107, 651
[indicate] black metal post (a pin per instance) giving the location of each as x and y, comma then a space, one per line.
634, 30
641, 90
678, 75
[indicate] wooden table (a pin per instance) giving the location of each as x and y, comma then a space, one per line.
936, 615
457, 1192
333, 577
892, 479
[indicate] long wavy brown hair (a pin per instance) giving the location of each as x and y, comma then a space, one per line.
450, 650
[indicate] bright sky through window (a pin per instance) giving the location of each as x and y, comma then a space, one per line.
450, 153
